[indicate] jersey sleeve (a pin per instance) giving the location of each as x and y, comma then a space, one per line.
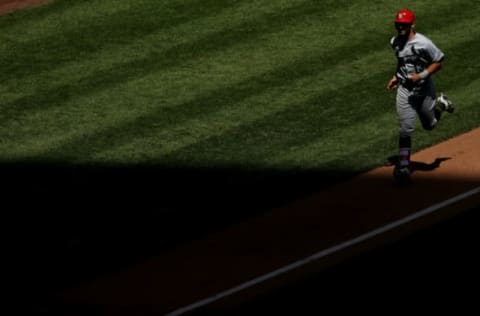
435, 54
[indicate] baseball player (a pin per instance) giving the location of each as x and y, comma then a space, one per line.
418, 59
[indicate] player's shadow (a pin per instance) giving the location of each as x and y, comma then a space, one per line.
417, 165
421, 166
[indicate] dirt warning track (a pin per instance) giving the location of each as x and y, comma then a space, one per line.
293, 241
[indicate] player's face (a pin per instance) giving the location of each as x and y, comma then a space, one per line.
403, 29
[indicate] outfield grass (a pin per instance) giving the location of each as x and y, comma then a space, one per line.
288, 84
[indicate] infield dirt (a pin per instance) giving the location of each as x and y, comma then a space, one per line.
7, 6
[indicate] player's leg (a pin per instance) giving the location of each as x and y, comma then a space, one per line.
428, 112
406, 119
443, 103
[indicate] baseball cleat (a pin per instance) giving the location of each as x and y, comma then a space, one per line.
402, 174
445, 104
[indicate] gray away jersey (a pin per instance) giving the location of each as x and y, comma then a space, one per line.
415, 55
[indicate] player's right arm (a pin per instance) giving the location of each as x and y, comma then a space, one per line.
393, 83
396, 45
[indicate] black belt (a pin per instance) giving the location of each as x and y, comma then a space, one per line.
408, 84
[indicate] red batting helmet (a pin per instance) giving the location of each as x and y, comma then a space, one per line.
405, 16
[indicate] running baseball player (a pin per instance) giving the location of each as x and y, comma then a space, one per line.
418, 59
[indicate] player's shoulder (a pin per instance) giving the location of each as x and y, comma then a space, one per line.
421, 38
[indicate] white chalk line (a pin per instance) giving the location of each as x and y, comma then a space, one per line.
323, 253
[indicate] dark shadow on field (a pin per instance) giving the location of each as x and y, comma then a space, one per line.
431, 270
417, 165
71, 223
67, 224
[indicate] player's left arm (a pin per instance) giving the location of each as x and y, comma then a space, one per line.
436, 58
430, 70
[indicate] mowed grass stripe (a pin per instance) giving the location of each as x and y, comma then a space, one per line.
148, 141
375, 101
332, 115
140, 66
159, 119
81, 30
118, 48
227, 104
144, 39
36, 104
260, 96
265, 141
139, 124
373, 141
61, 93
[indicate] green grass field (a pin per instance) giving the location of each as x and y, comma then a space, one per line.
287, 84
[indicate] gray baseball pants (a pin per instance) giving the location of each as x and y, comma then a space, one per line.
412, 102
